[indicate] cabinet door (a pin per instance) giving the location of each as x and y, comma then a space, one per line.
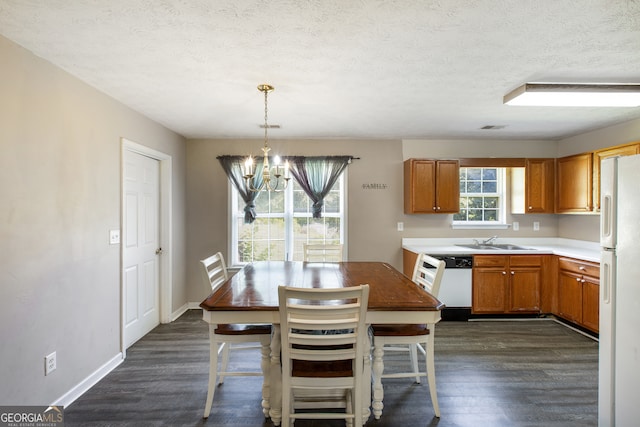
598, 156
448, 186
574, 190
591, 303
539, 185
524, 289
570, 296
489, 290
419, 186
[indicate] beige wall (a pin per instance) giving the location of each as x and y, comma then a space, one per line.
60, 175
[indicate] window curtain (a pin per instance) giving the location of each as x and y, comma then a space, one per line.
317, 175
232, 166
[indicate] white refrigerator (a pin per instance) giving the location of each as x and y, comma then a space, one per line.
619, 358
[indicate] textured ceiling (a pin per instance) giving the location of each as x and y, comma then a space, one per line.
341, 68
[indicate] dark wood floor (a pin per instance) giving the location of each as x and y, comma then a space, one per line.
494, 374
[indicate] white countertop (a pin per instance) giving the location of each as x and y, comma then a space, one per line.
585, 250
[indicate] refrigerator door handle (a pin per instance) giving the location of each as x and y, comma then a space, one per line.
605, 282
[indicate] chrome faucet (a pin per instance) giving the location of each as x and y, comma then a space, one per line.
488, 241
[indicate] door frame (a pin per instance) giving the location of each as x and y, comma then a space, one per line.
165, 237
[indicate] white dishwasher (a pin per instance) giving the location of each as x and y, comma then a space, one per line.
455, 288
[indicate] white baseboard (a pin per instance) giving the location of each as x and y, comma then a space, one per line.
69, 397
180, 311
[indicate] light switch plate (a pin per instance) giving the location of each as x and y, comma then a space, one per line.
114, 237
400, 226
516, 226
536, 226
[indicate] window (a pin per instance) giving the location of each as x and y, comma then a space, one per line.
482, 200
284, 222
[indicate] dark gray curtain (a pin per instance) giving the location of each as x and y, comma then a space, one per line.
317, 175
232, 166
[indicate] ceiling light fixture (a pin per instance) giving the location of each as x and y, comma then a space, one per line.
274, 178
575, 95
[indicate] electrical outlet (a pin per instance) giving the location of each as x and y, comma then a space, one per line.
114, 237
50, 363
400, 226
515, 226
536, 226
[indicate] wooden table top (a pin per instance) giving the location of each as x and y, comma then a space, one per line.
255, 287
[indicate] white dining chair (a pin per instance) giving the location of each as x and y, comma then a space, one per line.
324, 343
322, 252
230, 337
427, 273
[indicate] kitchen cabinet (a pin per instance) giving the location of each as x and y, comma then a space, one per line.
506, 284
539, 185
599, 155
578, 292
574, 184
431, 186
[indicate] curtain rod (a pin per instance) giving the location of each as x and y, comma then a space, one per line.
346, 155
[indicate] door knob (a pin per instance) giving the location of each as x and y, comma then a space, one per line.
159, 251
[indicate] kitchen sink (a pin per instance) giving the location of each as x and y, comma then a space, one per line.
495, 246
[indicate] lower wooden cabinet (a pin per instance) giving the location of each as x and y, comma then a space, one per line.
506, 284
579, 292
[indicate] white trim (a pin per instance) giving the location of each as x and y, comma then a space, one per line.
166, 236
179, 312
83, 386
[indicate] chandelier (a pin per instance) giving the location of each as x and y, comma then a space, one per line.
271, 178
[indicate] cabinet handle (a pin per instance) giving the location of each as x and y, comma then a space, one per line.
513, 272
530, 207
581, 268
577, 279
504, 273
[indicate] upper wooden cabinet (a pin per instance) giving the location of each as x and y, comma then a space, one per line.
574, 184
539, 185
431, 186
599, 155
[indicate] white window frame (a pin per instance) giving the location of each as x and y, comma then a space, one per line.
236, 214
501, 223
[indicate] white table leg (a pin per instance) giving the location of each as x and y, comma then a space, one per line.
275, 411
265, 365
213, 370
366, 383
378, 368
431, 370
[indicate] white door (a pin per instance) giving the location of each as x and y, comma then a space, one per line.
141, 285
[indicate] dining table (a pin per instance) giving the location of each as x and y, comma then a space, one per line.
251, 296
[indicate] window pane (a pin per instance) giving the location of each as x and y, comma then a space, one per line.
475, 215
332, 202
491, 202
300, 201
489, 174
474, 174
489, 187
491, 215
474, 187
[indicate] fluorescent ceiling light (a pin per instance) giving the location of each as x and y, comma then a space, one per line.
575, 95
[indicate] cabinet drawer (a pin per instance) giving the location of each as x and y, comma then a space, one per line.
579, 267
490, 261
525, 260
